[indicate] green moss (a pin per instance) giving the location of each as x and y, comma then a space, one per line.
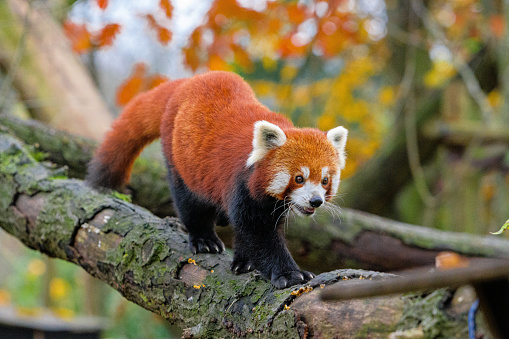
7, 191
373, 328
124, 197
425, 311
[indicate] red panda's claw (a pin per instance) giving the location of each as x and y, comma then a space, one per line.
292, 278
242, 267
206, 245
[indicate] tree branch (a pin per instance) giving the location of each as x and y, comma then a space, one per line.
147, 259
318, 244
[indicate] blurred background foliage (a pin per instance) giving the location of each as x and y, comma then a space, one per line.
423, 87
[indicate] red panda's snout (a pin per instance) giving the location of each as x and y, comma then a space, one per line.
310, 189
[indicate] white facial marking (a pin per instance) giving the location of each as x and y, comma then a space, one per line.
334, 184
266, 136
338, 137
279, 183
302, 195
305, 172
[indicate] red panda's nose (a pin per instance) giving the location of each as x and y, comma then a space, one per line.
315, 201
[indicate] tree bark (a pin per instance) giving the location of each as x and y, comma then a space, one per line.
49, 77
147, 260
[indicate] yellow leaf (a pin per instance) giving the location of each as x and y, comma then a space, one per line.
288, 72
387, 95
439, 74
62, 312
326, 122
269, 63
36, 268
28, 311
263, 88
58, 288
5, 297
495, 99
301, 96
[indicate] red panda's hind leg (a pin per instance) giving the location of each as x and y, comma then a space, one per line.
198, 217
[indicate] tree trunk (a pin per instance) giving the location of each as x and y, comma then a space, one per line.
49, 77
147, 260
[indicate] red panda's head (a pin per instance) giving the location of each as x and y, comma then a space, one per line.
300, 166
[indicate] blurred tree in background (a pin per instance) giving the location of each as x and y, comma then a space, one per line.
423, 86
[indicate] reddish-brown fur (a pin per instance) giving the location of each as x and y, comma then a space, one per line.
214, 114
138, 125
207, 128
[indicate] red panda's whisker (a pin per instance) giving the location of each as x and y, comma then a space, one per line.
333, 209
276, 208
285, 212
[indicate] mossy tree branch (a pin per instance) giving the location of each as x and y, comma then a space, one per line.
147, 259
318, 244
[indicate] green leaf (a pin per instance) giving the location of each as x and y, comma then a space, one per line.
502, 229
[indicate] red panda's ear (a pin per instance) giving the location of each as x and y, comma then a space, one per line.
266, 136
338, 137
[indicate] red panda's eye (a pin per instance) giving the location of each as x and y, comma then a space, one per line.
299, 179
325, 181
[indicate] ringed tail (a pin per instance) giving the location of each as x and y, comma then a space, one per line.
137, 126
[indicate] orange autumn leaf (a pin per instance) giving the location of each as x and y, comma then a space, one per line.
448, 260
155, 80
191, 58
102, 4
216, 63
107, 35
242, 57
132, 85
137, 82
288, 49
163, 34
167, 7
78, 35
297, 13
497, 25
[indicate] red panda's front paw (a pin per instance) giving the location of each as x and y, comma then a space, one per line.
212, 244
291, 278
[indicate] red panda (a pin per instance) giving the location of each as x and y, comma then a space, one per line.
231, 159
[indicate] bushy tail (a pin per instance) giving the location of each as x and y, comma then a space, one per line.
136, 127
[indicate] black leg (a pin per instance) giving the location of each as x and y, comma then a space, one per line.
198, 216
259, 242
